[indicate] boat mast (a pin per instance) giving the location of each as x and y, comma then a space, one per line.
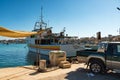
41, 18
40, 24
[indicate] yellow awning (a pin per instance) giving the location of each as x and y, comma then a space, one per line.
16, 34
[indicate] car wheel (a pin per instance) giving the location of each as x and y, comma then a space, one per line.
96, 67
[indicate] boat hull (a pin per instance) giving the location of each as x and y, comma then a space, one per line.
45, 49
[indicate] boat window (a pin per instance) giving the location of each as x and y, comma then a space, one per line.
37, 41
32, 36
45, 41
56, 40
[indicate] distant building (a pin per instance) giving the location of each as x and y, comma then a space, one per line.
98, 35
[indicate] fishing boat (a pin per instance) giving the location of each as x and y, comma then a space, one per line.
48, 41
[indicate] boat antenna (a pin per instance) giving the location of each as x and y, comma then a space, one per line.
64, 29
42, 23
41, 14
41, 18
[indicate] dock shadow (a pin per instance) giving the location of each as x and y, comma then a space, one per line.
77, 75
85, 74
34, 73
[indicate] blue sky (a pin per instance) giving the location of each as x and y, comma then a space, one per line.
81, 18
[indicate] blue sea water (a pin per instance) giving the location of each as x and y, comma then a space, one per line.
12, 55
